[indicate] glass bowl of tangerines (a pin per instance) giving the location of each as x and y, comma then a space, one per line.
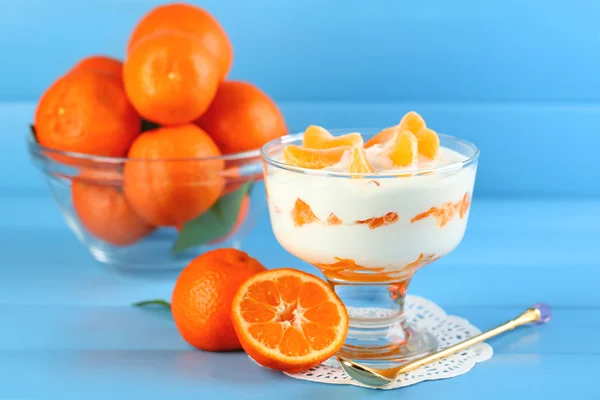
154, 160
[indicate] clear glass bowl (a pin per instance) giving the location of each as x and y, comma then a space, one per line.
369, 234
93, 194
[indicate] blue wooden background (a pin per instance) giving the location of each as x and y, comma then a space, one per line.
520, 78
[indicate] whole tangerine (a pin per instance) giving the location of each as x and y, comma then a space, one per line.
106, 214
190, 19
170, 78
202, 297
87, 113
100, 64
173, 175
242, 117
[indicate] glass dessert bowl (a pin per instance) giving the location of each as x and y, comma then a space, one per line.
369, 232
206, 203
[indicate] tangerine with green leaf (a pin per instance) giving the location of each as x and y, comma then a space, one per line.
241, 217
174, 175
203, 294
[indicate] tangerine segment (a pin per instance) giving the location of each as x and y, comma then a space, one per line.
310, 323
428, 143
382, 137
376, 222
413, 122
333, 219
446, 212
403, 150
302, 214
359, 163
316, 137
298, 156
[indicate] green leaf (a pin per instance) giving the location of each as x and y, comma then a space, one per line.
157, 302
148, 125
215, 223
32, 130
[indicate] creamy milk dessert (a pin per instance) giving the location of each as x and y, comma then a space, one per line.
396, 214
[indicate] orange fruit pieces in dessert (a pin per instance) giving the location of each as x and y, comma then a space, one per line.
428, 143
413, 122
359, 162
298, 156
382, 137
376, 222
202, 297
403, 149
316, 137
302, 214
288, 320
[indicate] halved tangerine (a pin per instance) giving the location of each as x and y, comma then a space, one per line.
403, 150
289, 320
428, 143
359, 163
316, 137
413, 122
298, 156
382, 137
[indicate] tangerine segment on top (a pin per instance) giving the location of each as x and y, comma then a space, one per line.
170, 78
242, 117
428, 143
87, 113
383, 137
298, 156
316, 137
413, 122
403, 150
190, 19
289, 320
174, 177
202, 297
359, 163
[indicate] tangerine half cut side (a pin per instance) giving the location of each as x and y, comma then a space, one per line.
289, 320
316, 137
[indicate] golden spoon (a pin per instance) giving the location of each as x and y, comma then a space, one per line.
538, 314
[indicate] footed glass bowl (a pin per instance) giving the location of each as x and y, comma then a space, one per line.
153, 215
369, 235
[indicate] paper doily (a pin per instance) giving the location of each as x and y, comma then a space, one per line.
423, 315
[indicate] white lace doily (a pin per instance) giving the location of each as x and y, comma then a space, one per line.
427, 316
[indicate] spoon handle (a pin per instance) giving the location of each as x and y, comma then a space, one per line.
531, 315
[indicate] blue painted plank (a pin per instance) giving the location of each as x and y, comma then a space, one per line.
125, 328
464, 50
159, 374
526, 150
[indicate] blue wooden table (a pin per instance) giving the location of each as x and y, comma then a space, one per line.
68, 330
